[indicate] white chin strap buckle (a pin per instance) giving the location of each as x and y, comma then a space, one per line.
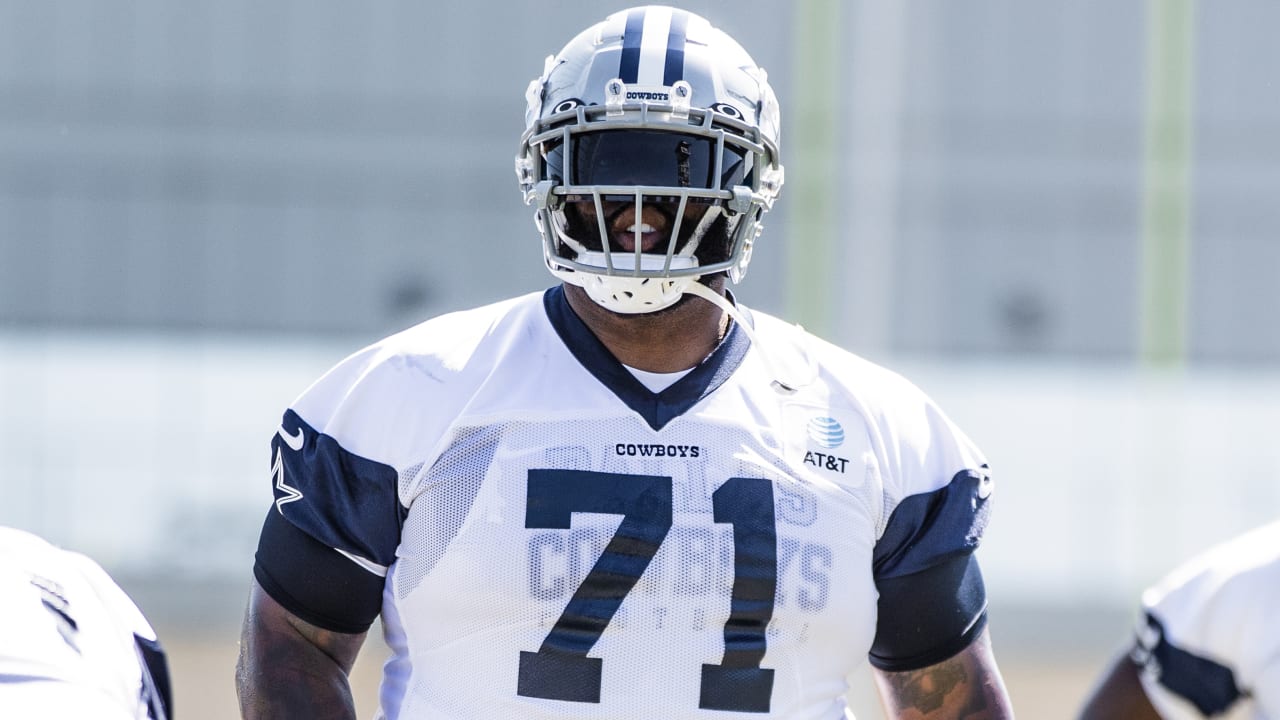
623, 292
630, 295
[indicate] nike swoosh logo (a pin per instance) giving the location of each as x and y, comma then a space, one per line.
985, 485
293, 441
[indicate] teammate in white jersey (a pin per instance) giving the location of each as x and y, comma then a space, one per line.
1208, 641
72, 643
628, 496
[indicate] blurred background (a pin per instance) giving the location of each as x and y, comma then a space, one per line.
1059, 219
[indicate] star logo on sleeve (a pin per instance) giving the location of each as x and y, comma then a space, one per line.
287, 493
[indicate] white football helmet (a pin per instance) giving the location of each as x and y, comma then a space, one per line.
650, 154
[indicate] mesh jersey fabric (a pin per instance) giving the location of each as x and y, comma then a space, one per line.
71, 637
1213, 621
704, 550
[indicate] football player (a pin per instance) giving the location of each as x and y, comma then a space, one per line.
1207, 642
73, 644
628, 496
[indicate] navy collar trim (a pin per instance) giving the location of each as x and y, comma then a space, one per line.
657, 409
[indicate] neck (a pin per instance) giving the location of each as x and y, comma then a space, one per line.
670, 340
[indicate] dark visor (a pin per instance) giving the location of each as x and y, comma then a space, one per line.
646, 157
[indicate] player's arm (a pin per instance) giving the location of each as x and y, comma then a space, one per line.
291, 668
309, 610
319, 572
1119, 695
931, 654
966, 686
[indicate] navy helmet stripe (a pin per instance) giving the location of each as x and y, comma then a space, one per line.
629, 69
675, 48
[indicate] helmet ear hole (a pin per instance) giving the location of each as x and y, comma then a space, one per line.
567, 105
727, 110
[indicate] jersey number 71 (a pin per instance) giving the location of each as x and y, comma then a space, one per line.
561, 670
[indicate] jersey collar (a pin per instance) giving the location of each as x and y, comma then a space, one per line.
657, 409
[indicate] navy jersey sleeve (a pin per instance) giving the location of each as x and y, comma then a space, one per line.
157, 690
1207, 640
343, 464
1209, 685
932, 599
332, 532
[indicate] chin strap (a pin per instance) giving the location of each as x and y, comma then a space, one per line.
787, 377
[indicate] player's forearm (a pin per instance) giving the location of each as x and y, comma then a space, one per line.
291, 669
941, 692
282, 677
965, 687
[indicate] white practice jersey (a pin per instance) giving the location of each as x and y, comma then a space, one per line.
1210, 637
73, 644
560, 542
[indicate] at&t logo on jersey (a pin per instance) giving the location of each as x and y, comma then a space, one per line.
828, 434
